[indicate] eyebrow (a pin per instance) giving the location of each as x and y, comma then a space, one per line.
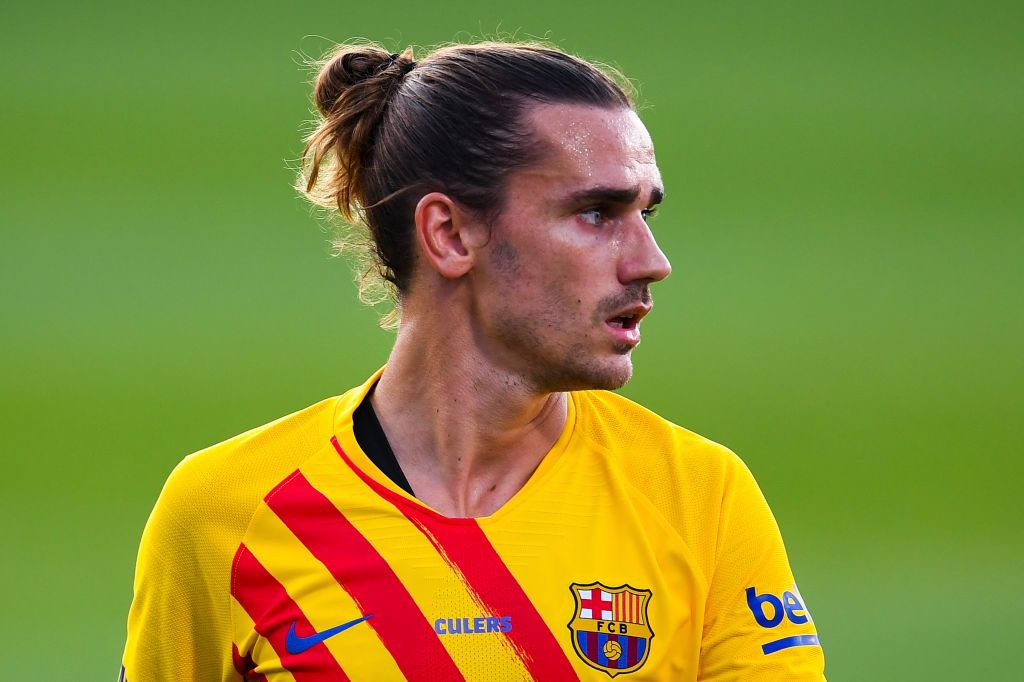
613, 195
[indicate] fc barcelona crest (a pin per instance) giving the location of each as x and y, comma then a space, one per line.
610, 629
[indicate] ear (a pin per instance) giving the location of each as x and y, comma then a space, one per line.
447, 235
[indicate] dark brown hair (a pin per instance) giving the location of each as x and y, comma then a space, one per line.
392, 129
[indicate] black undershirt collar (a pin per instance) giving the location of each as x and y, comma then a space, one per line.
370, 436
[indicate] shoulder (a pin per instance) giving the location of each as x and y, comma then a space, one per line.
213, 492
180, 615
644, 441
682, 476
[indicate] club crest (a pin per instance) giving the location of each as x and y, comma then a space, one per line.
610, 629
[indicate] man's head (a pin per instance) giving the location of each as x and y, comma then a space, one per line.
516, 174
564, 279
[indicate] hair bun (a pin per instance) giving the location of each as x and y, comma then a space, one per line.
348, 66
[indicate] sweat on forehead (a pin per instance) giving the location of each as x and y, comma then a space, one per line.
578, 133
585, 147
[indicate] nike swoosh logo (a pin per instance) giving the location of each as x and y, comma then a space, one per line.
296, 645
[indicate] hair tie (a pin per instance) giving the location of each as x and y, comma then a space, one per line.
393, 58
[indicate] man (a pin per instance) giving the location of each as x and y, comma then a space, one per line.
477, 509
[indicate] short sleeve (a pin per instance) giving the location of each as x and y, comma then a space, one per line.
757, 625
179, 623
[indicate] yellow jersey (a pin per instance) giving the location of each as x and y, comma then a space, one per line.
637, 548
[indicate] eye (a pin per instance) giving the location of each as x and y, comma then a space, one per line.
593, 216
648, 213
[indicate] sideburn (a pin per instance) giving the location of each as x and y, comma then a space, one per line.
504, 257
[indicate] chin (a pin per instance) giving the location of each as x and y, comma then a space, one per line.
616, 378
580, 373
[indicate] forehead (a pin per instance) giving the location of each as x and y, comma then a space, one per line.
585, 145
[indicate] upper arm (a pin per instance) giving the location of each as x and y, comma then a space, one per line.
179, 622
756, 624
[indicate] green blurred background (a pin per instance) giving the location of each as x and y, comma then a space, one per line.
844, 218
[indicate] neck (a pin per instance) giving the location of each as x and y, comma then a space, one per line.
467, 433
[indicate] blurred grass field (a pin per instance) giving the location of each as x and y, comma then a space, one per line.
844, 217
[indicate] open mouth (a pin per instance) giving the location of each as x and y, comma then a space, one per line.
625, 327
624, 321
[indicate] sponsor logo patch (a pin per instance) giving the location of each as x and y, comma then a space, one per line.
770, 610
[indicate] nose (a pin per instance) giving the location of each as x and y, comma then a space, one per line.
643, 259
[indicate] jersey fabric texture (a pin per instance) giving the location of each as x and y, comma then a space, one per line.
637, 548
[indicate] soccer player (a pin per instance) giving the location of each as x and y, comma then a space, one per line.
481, 508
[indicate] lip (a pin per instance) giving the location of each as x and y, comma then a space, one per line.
627, 331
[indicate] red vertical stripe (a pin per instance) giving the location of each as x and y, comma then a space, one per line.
366, 576
631, 651
273, 611
591, 638
462, 543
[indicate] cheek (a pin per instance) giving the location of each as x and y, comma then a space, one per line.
574, 288
546, 295
554, 280
571, 302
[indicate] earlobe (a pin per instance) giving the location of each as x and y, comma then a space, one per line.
442, 230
